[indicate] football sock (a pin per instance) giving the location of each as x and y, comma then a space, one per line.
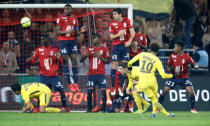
51, 109
103, 94
154, 109
75, 73
137, 99
63, 99
67, 73
158, 105
113, 75
89, 99
161, 98
192, 101
143, 101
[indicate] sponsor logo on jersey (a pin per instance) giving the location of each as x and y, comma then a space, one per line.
125, 24
114, 24
173, 56
40, 50
64, 17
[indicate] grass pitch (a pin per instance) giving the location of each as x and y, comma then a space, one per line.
103, 119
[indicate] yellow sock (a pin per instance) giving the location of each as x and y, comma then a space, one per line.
51, 109
137, 99
154, 109
158, 105
143, 101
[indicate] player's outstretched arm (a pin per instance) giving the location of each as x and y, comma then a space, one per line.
162, 71
132, 32
60, 32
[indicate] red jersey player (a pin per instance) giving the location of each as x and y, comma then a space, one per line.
121, 34
49, 59
178, 65
98, 57
67, 26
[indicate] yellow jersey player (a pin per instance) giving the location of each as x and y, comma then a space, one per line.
148, 64
34, 90
133, 76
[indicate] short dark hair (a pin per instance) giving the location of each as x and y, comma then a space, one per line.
16, 87
68, 5
124, 64
118, 10
198, 44
180, 44
154, 47
96, 36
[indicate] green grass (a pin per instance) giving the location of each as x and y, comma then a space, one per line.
103, 119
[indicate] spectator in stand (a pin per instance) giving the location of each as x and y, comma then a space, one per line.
35, 34
200, 28
83, 66
200, 56
14, 44
185, 11
200, 6
8, 62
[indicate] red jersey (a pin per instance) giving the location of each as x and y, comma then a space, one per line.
48, 62
96, 66
139, 37
180, 64
67, 23
116, 26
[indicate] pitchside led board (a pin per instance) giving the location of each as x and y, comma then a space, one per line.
176, 100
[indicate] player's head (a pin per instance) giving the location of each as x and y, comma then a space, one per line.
16, 88
124, 67
45, 40
154, 47
117, 14
96, 38
67, 9
178, 46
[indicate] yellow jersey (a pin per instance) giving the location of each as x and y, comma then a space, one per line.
33, 90
134, 75
148, 64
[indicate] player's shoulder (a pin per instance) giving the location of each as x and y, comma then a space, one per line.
126, 19
62, 17
186, 55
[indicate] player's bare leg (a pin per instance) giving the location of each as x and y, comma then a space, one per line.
190, 90
73, 58
104, 99
63, 100
42, 109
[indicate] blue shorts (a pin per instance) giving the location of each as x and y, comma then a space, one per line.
120, 52
68, 47
116, 103
135, 63
97, 79
53, 82
182, 82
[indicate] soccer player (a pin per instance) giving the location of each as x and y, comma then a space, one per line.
49, 59
67, 28
121, 34
178, 65
133, 77
98, 56
138, 45
149, 63
34, 90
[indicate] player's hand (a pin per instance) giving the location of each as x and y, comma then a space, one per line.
128, 92
83, 29
29, 59
69, 31
196, 66
127, 44
121, 33
86, 54
96, 54
57, 55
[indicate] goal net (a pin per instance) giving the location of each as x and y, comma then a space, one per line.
23, 41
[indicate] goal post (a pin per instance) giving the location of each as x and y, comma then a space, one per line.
128, 6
